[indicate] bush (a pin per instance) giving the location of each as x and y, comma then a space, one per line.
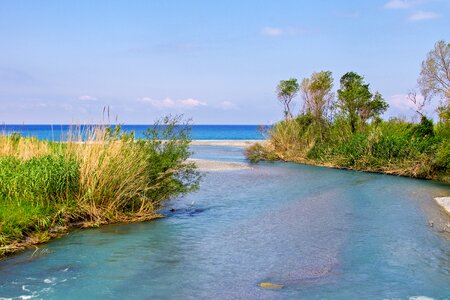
258, 152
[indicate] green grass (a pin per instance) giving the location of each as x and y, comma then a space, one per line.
394, 147
110, 178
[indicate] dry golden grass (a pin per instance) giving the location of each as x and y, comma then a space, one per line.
113, 175
21, 148
99, 175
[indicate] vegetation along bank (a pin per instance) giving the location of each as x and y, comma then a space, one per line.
346, 130
99, 176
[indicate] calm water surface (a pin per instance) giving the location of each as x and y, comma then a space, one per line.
322, 233
198, 132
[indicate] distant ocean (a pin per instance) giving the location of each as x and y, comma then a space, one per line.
199, 132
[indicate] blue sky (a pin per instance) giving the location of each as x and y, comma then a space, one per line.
217, 62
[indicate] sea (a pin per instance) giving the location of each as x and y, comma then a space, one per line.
198, 132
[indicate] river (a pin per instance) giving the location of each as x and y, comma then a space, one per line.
321, 233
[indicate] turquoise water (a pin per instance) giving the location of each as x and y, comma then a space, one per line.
322, 233
198, 132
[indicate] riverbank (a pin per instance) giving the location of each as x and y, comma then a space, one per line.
392, 147
48, 188
387, 170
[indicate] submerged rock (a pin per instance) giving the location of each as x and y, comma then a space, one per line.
268, 285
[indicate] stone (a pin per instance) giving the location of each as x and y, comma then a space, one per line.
268, 285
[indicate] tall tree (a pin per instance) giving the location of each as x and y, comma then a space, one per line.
357, 102
434, 80
286, 92
317, 98
317, 94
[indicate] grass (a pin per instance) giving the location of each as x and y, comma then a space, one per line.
99, 176
393, 147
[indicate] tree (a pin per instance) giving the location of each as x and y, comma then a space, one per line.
418, 102
357, 102
434, 80
286, 92
317, 97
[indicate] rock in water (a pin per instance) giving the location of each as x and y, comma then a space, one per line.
268, 285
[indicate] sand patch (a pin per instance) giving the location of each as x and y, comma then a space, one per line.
216, 165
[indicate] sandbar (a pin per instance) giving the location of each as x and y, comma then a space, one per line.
216, 165
230, 143
444, 202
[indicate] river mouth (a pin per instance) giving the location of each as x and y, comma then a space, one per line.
320, 233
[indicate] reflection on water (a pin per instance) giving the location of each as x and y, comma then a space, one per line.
320, 233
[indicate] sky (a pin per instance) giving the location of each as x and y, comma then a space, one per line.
216, 62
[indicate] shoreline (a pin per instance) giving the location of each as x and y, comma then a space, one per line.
444, 203
390, 170
39, 238
52, 233
227, 143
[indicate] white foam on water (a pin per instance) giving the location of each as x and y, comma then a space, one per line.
420, 298
50, 280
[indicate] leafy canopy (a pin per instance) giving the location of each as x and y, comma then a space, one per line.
356, 102
286, 92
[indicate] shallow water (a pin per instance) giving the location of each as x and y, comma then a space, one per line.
322, 233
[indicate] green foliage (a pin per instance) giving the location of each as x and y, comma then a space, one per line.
356, 102
258, 152
166, 150
351, 133
32, 191
424, 129
317, 94
393, 146
286, 92
111, 178
443, 156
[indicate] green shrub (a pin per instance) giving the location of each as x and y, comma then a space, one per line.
258, 152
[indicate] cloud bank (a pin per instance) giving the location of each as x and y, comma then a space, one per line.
423, 15
170, 103
87, 98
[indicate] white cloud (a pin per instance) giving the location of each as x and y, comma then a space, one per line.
190, 102
402, 102
398, 4
87, 98
228, 105
170, 103
272, 31
423, 15
278, 31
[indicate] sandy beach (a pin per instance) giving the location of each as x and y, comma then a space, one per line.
230, 143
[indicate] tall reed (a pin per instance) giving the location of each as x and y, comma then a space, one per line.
99, 175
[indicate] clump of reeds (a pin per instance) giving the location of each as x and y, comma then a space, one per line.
99, 175
113, 174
